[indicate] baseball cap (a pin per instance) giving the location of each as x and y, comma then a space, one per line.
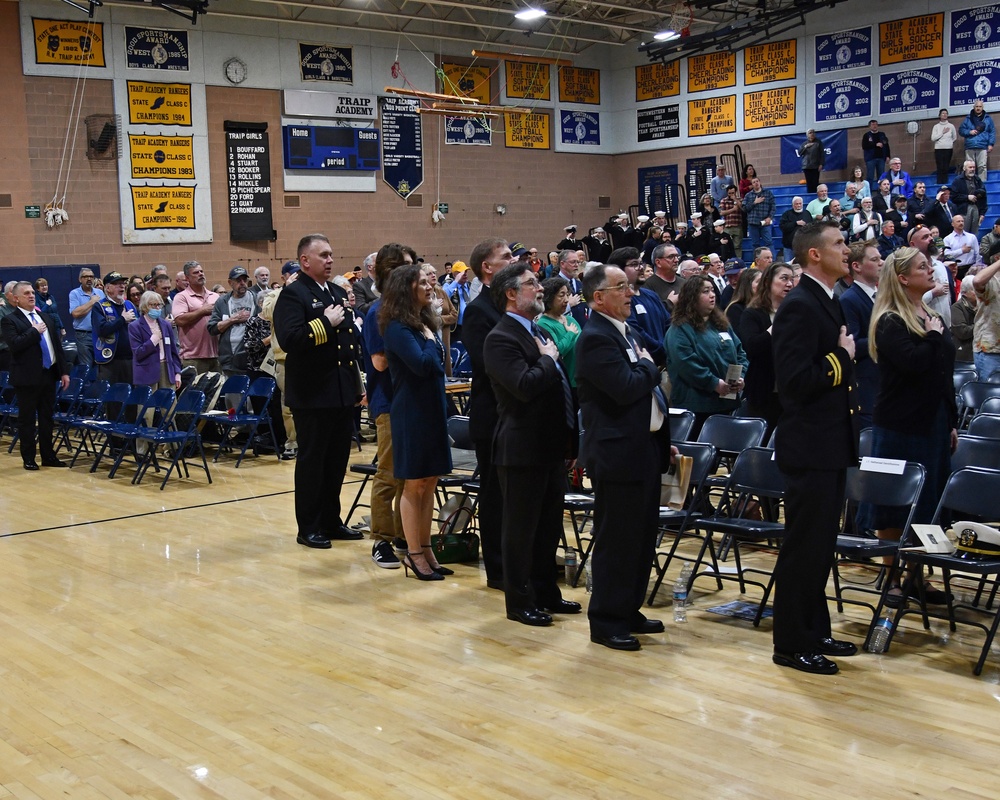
517, 249
289, 267
114, 277
459, 266
238, 272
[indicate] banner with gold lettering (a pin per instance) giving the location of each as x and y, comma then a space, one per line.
911, 39
68, 44
157, 207
466, 81
712, 116
771, 108
711, 71
766, 63
579, 85
170, 157
527, 131
159, 103
528, 80
655, 81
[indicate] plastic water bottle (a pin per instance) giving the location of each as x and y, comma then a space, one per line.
880, 637
589, 575
681, 594
570, 563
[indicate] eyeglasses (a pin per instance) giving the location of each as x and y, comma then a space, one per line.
533, 282
620, 287
785, 278
633, 263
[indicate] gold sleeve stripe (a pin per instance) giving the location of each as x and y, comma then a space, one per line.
319, 331
838, 373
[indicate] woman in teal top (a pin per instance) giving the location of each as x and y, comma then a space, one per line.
700, 347
561, 327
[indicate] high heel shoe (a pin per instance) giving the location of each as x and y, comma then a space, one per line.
420, 576
438, 569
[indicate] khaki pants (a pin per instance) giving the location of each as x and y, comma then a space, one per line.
291, 443
386, 490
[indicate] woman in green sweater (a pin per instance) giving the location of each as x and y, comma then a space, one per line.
701, 346
560, 327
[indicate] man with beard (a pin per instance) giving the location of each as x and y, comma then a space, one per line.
980, 137
970, 196
939, 298
791, 222
109, 321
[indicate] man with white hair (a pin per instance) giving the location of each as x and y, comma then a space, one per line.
968, 193
261, 280
792, 221
963, 319
899, 181
817, 206
961, 246
720, 184
7, 305
364, 288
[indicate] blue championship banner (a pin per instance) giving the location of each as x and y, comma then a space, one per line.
844, 50
402, 145
834, 146
152, 48
975, 29
467, 130
976, 79
911, 90
580, 127
323, 62
844, 99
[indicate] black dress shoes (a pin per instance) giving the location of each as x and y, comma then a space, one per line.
494, 584
835, 647
617, 641
530, 616
343, 533
649, 626
53, 462
31, 466
563, 607
806, 662
315, 539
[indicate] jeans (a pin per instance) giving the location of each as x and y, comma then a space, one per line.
84, 347
875, 168
760, 235
987, 364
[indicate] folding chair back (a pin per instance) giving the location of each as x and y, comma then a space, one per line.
458, 430
181, 436
962, 375
971, 397
985, 425
732, 435
681, 425
865, 443
991, 405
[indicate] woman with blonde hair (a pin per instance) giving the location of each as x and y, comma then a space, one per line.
915, 416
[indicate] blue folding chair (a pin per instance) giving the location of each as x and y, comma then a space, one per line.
128, 434
180, 436
110, 410
259, 396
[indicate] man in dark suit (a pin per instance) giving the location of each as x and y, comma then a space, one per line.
37, 364
364, 288
316, 330
816, 441
941, 212
857, 302
534, 439
626, 447
488, 258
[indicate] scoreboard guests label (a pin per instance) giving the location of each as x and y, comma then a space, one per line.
69, 43
578, 85
322, 62
157, 207
911, 39
844, 50
161, 156
712, 116
975, 29
149, 48
978, 79
528, 131
766, 63
912, 90
771, 108
844, 99
466, 81
712, 71
528, 80
159, 103
654, 81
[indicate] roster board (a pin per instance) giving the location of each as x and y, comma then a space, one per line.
248, 172
770, 108
528, 80
712, 116
402, 145
655, 81
911, 39
773, 61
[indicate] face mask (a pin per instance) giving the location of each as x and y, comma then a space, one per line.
155, 313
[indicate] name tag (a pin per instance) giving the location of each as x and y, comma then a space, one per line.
631, 355
725, 336
225, 317
167, 340
317, 304
639, 308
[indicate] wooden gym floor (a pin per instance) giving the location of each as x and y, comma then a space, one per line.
180, 644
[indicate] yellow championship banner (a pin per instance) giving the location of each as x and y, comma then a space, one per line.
766, 63
911, 39
711, 71
528, 131
528, 80
161, 156
770, 108
712, 116
655, 81
159, 103
579, 85
69, 43
162, 207
471, 82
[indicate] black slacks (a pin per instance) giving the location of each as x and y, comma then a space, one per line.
38, 399
532, 529
325, 436
814, 499
490, 512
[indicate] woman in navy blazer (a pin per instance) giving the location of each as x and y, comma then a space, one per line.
155, 359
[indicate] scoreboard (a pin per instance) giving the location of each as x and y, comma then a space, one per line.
318, 147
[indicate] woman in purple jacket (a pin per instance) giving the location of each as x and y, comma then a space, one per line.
156, 362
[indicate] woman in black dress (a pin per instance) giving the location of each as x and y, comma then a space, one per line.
418, 415
915, 416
